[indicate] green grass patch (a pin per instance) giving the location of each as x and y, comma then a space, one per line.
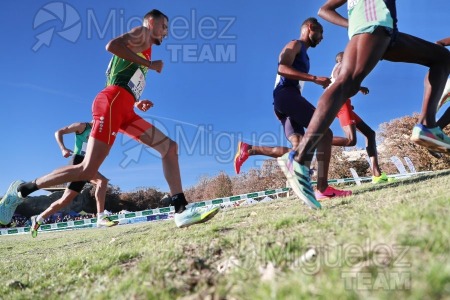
385, 242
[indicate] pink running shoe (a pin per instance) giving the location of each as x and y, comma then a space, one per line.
331, 192
241, 156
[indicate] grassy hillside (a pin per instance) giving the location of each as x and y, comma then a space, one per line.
385, 242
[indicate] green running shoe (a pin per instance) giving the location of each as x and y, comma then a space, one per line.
195, 215
299, 180
382, 178
35, 226
9, 202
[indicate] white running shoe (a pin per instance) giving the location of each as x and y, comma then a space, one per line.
195, 215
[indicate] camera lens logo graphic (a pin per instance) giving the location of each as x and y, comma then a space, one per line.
60, 18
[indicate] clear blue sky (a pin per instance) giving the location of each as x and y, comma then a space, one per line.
216, 86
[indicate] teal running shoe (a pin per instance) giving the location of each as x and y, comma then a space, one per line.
195, 215
299, 180
35, 226
9, 202
431, 138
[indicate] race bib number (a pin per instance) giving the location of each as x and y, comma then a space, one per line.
137, 83
352, 3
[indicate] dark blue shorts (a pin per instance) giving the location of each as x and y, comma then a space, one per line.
293, 111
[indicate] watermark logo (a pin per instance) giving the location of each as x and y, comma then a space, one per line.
194, 139
192, 38
387, 280
135, 152
202, 39
63, 13
64, 20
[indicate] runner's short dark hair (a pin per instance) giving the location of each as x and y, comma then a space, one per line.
155, 14
313, 21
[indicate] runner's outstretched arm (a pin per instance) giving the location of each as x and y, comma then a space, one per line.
328, 12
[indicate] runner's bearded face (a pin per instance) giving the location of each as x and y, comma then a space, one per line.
315, 35
159, 32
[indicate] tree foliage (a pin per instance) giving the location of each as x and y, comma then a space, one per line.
142, 198
269, 176
341, 163
210, 188
394, 139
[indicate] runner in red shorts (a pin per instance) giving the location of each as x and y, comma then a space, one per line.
350, 122
113, 112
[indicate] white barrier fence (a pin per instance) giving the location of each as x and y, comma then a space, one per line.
166, 213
